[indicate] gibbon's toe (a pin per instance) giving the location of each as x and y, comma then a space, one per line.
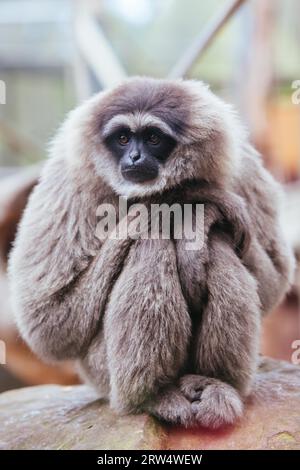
173, 407
192, 386
219, 405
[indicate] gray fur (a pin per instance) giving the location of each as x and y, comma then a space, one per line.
154, 327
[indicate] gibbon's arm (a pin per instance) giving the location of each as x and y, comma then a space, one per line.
270, 258
234, 212
272, 268
60, 274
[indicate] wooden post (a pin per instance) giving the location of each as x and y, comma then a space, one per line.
95, 54
204, 39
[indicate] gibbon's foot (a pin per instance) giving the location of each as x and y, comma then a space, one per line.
198, 400
214, 403
172, 406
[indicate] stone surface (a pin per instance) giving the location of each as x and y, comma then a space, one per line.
274, 426
72, 417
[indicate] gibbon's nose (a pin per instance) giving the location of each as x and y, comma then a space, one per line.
135, 156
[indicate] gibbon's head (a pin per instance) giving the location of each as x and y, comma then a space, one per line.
147, 135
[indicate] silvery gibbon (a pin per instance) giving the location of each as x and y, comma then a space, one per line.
153, 326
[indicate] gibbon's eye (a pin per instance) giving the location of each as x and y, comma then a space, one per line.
153, 139
123, 138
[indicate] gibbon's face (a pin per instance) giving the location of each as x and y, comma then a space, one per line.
148, 135
140, 152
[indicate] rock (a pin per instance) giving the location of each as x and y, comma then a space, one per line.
72, 417
272, 426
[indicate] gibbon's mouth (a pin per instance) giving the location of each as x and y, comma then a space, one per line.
137, 175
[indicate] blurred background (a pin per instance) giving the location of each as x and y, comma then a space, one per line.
55, 53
